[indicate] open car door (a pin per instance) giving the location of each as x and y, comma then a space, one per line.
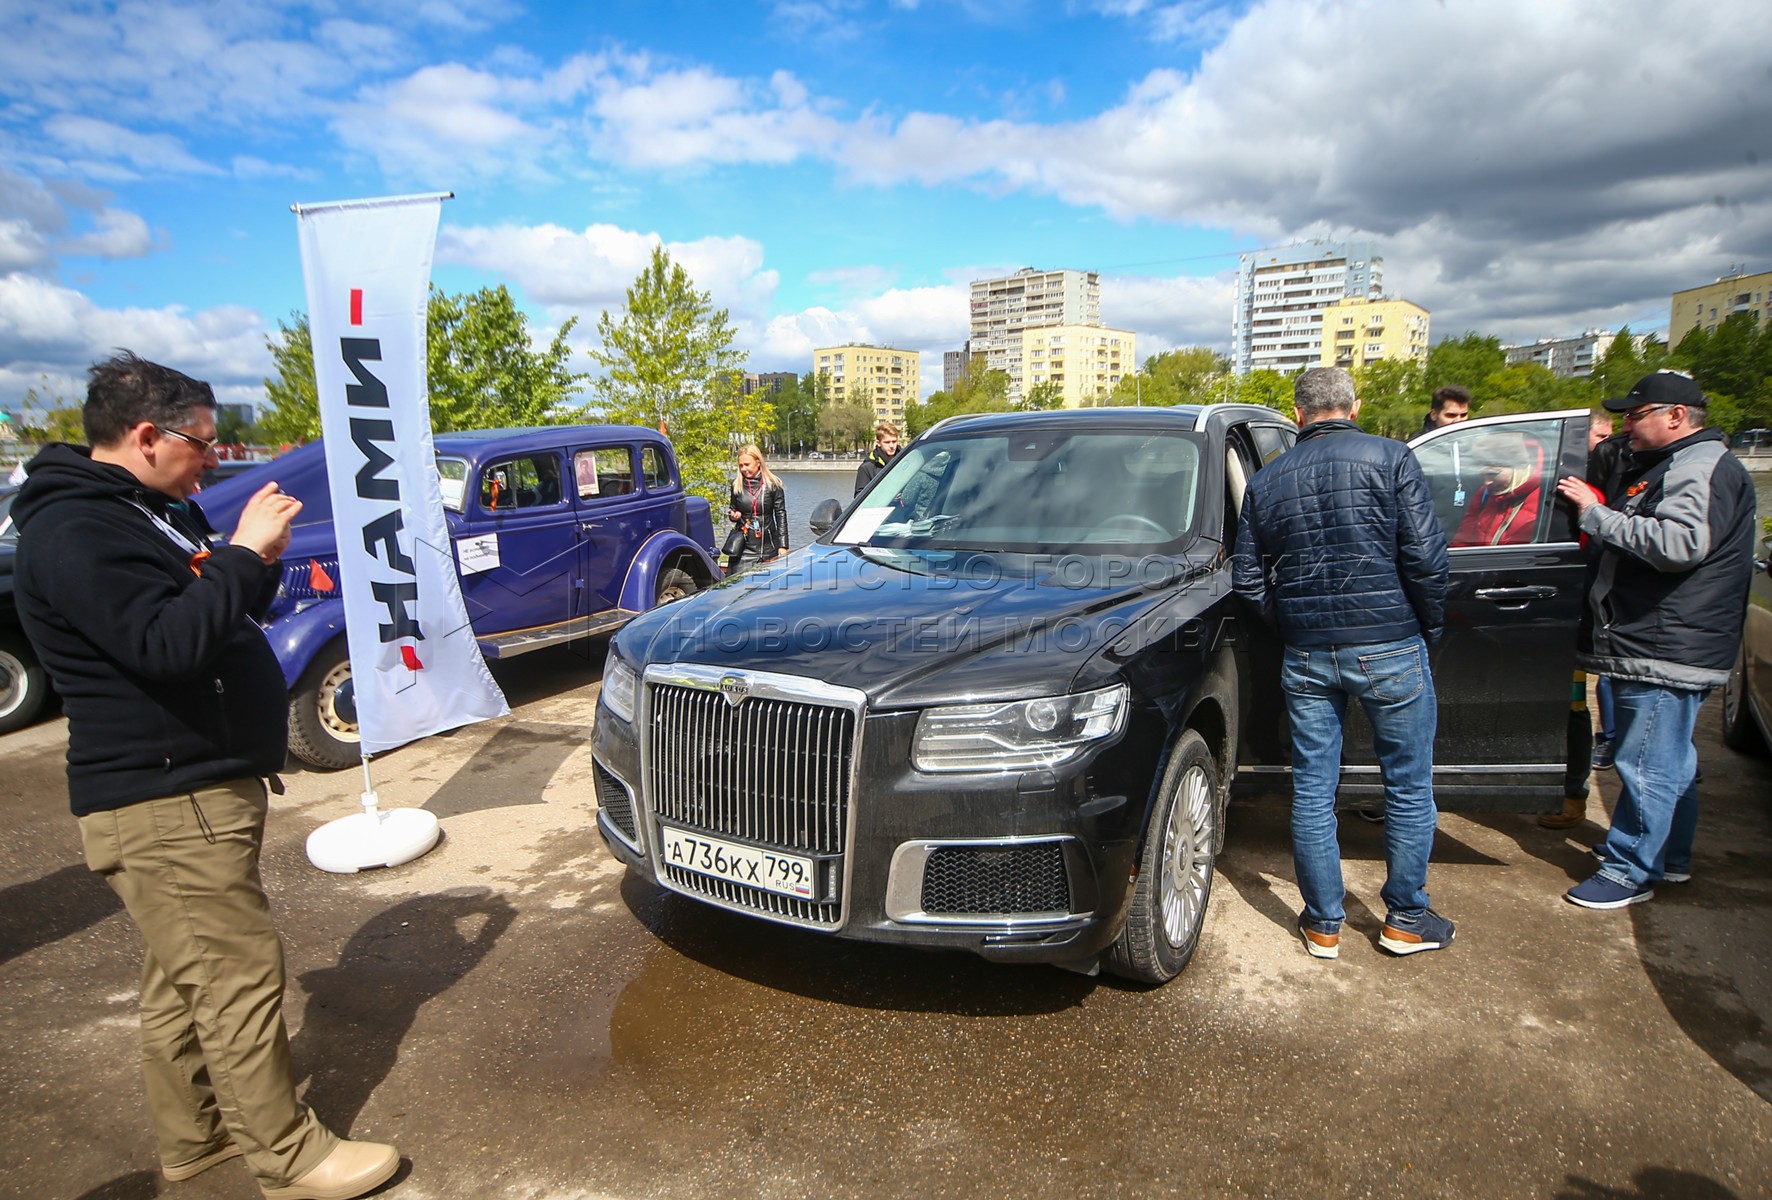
1503, 670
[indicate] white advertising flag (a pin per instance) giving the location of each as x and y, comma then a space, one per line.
414, 662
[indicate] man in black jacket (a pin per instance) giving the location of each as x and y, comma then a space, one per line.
1666, 603
1340, 550
880, 457
177, 721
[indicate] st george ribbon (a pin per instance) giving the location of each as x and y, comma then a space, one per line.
415, 667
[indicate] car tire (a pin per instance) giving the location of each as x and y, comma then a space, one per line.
24, 684
318, 735
1740, 731
1174, 884
674, 584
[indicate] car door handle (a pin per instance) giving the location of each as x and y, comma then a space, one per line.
1516, 595
590, 526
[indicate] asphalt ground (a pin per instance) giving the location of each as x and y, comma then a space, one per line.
527, 1023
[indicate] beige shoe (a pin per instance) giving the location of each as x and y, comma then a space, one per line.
179, 1172
350, 1170
1574, 813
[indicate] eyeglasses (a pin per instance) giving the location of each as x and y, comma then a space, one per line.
1637, 414
204, 447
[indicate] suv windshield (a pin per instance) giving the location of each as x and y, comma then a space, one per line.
1034, 490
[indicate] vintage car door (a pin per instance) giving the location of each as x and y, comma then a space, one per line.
624, 494
1503, 669
517, 543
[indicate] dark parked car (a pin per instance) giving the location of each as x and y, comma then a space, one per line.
559, 532
1747, 697
24, 685
1000, 705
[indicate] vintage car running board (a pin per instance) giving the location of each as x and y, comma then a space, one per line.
522, 641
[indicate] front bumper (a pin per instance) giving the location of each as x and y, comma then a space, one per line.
1028, 867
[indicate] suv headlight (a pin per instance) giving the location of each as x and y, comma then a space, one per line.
620, 687
1022, 735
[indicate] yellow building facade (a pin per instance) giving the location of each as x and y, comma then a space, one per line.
1083, 361
1358, 331
1709, 306
891, 378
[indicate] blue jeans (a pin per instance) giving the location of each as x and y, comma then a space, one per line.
1656, 817
1603, 695
1394, 686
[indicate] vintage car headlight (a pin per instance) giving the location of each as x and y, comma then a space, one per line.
620, 686
1021, 735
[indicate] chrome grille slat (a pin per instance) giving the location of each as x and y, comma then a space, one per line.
768, 771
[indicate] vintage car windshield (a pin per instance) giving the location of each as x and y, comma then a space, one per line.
1035, 490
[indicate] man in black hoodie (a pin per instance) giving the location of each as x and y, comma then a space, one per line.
176, 722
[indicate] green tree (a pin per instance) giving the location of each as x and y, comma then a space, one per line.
796, 415
669, 363
481, 369
1266, 387
1187, 375
1043, 396
847, 424
1466, 361
1391, 393
1522, 387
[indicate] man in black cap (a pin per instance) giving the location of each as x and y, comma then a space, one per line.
1666, 600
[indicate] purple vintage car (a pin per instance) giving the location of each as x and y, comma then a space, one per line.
560, 532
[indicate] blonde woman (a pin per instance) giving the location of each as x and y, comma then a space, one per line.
759, 514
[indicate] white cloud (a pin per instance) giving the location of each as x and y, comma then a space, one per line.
585, 271
119, 234
114, 151
47, 329
1168, 313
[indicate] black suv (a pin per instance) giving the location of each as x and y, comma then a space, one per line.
1001, 703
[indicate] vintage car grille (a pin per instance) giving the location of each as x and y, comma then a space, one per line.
300, 582
768, 772
999, 880
616, 804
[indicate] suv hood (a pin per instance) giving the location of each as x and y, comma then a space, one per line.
912, 628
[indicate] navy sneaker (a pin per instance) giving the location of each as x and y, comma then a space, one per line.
1427, 930
1603, 754
1676, 877
1321, 938
1601, 892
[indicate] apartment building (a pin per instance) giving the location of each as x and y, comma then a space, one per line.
767, 381
1084, 361
1571, 357
1357, 331
890, 377
1002, 308
1709, 306
1282, 294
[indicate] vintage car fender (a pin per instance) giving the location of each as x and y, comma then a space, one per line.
639, 590
297, 636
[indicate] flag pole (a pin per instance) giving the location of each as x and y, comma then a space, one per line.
373, 838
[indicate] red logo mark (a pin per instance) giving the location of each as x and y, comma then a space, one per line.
409, 656
356, 306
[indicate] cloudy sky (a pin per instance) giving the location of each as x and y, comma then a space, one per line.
835, 170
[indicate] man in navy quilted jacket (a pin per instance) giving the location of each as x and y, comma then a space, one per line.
1340, 551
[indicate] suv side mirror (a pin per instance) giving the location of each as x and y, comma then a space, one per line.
825, 515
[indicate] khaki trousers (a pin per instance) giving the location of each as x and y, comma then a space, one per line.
215, 1051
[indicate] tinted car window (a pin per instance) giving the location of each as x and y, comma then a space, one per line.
1493, 485
1271, 441
1035, 491
531, 482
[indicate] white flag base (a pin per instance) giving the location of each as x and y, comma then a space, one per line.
373, 839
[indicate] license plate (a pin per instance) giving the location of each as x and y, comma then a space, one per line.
771, 870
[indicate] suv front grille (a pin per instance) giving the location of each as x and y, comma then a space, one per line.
766, 772
996, 880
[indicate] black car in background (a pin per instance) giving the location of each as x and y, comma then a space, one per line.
24, 685
1000, 705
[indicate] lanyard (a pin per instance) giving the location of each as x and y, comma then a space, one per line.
175, 535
